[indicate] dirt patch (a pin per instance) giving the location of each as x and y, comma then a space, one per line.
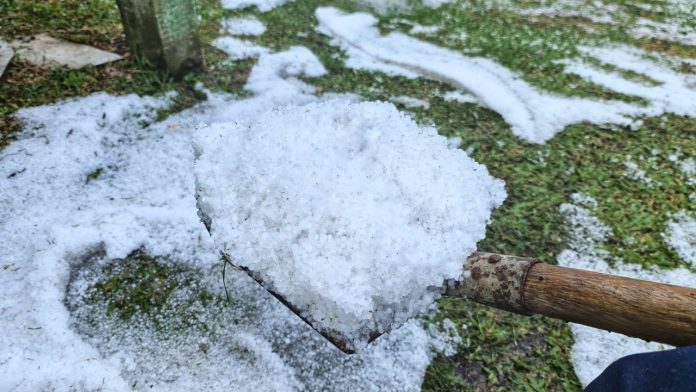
471, 372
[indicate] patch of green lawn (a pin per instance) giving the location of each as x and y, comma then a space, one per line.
91, 22
502, 351
139, 289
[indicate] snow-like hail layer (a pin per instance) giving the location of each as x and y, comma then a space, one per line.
676, 24
674, 93
246, 25
669, 31
262, 5
411, 102
681, 236
436, 3
458, 96
55, 211
420, 29
594, 349
351, 212
238, 49
597, 11
387, 7
532, 114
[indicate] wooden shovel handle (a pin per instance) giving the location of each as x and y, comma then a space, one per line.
647, 310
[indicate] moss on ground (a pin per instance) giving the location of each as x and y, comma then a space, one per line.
135, 284
142, 289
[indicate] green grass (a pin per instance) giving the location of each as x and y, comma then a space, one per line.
638, 212
97, 23
93, 22
135, 284
499, 351
141, 288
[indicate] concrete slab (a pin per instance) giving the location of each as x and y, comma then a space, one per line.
46, 51
6, 54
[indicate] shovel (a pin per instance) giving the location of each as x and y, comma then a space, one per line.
638, 308
642, 309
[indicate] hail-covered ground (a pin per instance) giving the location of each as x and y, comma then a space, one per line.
586, 109
95, 182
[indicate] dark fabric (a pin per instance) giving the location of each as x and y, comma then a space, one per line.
669, 370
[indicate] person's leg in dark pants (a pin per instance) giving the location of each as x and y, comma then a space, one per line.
669, 370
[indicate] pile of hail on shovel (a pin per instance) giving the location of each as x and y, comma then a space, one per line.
357, 219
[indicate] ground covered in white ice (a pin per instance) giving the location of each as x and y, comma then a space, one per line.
681, 236
585, 108
243, 26
261, 5
95, 179
533, 115
675, 22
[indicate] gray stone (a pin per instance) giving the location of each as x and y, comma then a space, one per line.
163, 32
6, 54
46, 51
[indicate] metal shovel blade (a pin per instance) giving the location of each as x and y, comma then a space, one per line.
333, 336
